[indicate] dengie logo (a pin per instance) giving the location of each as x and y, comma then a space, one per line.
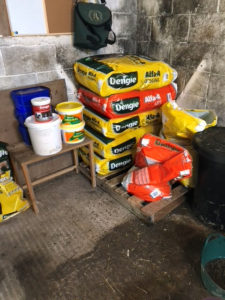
121, 81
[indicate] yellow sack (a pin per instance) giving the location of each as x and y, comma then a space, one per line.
122, 73
110, 148
105, 166
112, 128
11, 197
184, 123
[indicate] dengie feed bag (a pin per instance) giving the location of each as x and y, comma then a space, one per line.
160, 163
105, 166
129, 103
113, 128
114, 74
110, 148
184, 123
153, 149
144, 190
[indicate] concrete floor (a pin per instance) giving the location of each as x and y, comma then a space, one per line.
85, 246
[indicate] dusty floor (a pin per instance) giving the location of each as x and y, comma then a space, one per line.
84, 245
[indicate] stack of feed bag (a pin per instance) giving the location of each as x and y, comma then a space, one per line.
122, 95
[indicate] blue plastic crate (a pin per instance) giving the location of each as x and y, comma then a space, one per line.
22, 115
25, 134
22, 97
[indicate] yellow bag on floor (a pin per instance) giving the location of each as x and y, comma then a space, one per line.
184, 123
110, 148
113, 74
11, 197
105, 166
112, 128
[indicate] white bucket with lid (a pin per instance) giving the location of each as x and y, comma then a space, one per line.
45, 137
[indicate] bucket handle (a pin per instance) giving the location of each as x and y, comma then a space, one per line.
213, 236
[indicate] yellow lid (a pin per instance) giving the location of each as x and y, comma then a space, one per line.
65, 107
79, 126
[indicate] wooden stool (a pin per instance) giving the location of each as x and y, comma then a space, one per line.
27, 157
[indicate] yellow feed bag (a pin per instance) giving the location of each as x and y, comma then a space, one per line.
105, 166
113, 128
110, 148
122, 73
184, 123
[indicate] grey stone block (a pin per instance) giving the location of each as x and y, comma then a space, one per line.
191, 101
22, 60
72, 97
216, 88
126, 46
48, 76
219, 107
222, 6
198, 84
17, 81
155, 7
2, 67
122, 6
142, 48
159, 51
143, 28
170, 29
66, 55
191, 55
207, 28
118, 47
68, 75
218, 58
196, 6
181, 79
125, 24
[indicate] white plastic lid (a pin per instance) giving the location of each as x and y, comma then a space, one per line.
30, 122
38, 101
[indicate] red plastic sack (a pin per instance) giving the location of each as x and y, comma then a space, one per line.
127, 104
137, 183
160, 162
152, 149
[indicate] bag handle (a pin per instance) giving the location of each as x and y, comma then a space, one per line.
113, 40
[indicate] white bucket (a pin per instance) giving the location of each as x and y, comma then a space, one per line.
45, 137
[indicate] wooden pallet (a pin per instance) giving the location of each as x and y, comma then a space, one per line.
149, 212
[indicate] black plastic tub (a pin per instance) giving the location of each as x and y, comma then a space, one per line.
209, 193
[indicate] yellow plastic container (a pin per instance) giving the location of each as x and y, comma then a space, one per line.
73, 134
71, 113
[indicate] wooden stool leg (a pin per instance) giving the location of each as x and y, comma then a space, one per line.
92, 165
15, 175
76, 160
30, 188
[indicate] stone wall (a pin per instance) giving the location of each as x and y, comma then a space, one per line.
35, 59
190, 36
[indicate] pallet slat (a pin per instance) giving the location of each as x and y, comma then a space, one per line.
159, 209
149, 212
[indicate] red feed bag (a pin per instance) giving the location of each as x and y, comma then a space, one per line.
159, 162
145, 191
127, 104
152, 149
